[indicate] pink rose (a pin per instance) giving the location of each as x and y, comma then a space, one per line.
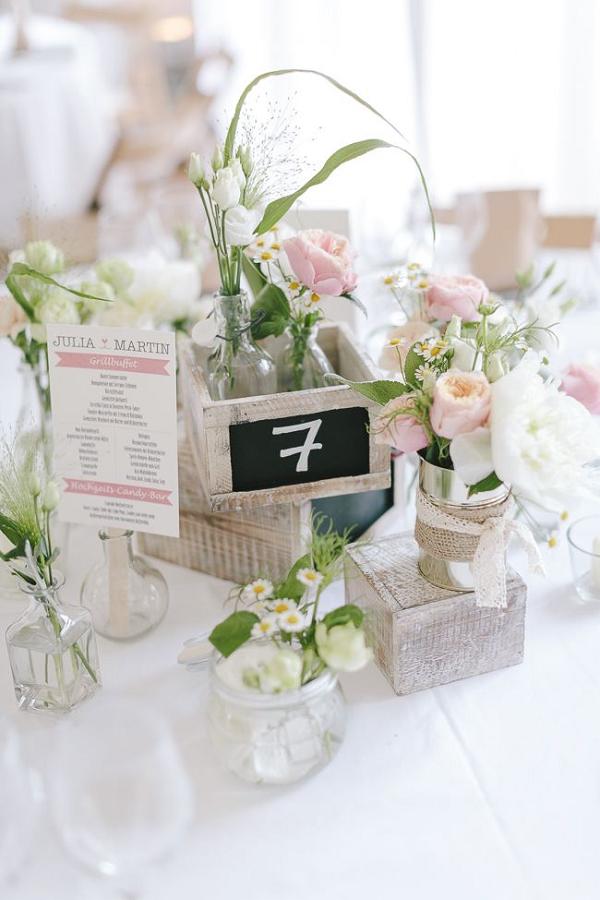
461, 403
582, 382
396, 427
455, 295
322, 261
400, 340
12, 317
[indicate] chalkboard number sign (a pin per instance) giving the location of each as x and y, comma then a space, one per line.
276, 452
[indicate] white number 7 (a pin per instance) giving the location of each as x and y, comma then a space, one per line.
309, 444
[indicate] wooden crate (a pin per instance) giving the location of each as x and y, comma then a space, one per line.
239, 445
423, 636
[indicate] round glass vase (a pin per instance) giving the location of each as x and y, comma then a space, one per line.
446, 490
237, 366
276, 738
52, 652
302, 364
125, 596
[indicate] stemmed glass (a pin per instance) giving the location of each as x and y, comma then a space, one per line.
119, 794
19, 806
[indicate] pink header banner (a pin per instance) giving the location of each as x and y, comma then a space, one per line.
142, 364
124, 491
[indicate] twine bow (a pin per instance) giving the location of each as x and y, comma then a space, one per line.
492, 538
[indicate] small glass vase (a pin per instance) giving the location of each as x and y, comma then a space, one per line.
276, 738
237, 366
52, 652
125, 596
302, 364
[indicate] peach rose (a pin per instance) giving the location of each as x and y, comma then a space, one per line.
455, 295
461, 403
322, 261
12, 317
400, 340
396, 427
582, 381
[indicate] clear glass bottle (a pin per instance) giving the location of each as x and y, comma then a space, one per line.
237, 366
125, 595
302, 363
52, 652
276, 738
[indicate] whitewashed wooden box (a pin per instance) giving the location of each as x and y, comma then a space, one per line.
239, 470
422, 635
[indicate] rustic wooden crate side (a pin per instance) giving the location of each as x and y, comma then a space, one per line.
422, 635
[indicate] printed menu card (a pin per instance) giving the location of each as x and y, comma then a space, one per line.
114, 414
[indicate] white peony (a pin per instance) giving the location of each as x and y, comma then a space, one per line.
540, 439
226, 188
342, 647
240, 224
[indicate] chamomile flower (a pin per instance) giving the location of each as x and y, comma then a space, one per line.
433, 349
283, 605
392, 280
425, 372
312, 299
264, 628
261, 589
309, 577
292, 621
553, 540
266, 248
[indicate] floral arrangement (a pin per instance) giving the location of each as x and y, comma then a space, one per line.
285, 617
473, 393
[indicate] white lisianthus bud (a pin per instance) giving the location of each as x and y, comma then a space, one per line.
495, 368
117, 273
453, 328
245, 158
342, 647
51, 497
195, 169
240, 224
236, 168
464, 355
44, 257
226, 189
217, 159
34, 485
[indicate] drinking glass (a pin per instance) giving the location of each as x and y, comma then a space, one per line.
119, 794
19, 807
584, 545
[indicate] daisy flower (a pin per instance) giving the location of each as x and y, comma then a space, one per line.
261, 589
424, 372
392, 280
283, 605
265, 627
292, 621
432, 350
309, 577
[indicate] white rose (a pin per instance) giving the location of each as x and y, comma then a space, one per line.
44, 257
283, 672
342, 647
239, 225
226, 188
12, 317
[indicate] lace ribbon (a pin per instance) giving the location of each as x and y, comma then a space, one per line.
484, 543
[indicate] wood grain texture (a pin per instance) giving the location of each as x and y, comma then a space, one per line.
209, 422
422, 635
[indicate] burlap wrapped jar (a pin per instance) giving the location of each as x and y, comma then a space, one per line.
447, 549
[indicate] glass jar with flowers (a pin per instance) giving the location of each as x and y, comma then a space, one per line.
473, 400
52, 646
276, 709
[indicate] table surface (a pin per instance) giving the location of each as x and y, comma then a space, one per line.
485, 789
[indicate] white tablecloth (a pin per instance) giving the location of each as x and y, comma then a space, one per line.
485, 789
57, 125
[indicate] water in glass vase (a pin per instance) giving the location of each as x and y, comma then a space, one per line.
53, 654
237, 366
302, 364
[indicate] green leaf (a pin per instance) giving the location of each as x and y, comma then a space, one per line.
489, 483
254, 276
231, 133
549, 270
271, 312
233, 631
22, 269
411, 364
290, 586
344, 614
379, 391
11, 530
557, 288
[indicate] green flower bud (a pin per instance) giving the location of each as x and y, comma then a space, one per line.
34, 485
245, 158
195, 169
217, 161
51, 497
